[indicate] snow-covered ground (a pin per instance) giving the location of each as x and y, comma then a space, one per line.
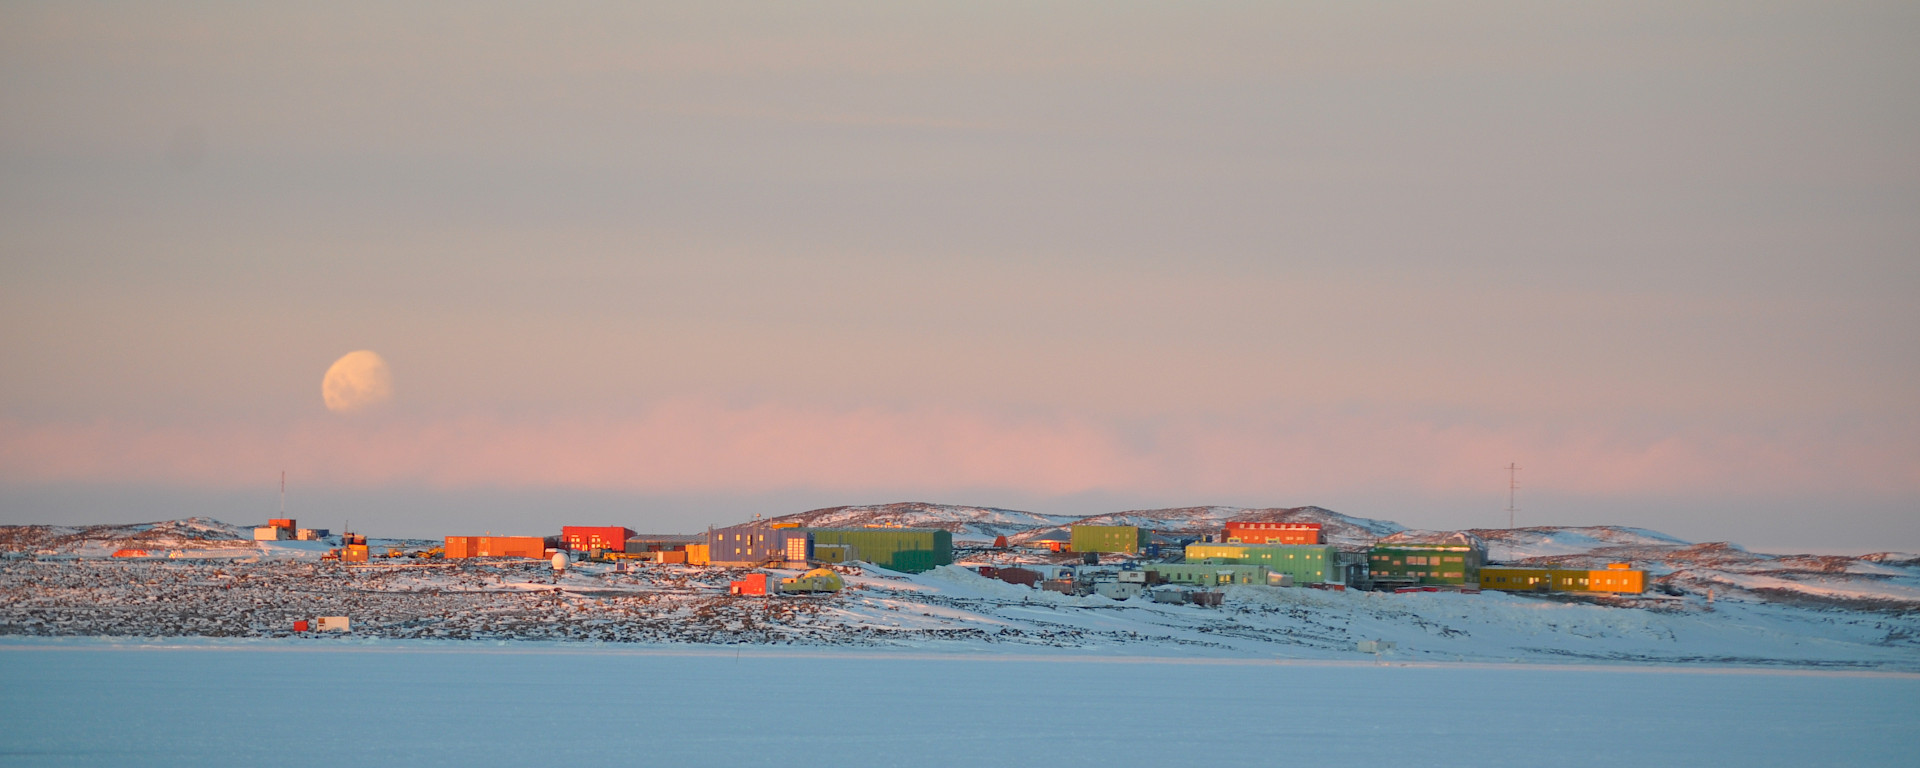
949, 608
85, 701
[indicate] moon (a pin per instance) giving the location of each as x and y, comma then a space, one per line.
357, 381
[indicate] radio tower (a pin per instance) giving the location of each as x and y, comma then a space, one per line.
1513, 485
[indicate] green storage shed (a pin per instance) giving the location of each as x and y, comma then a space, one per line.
1109, 538
911, 550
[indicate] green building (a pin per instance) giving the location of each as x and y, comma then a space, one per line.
1427, 559
1306, 563
1213, 574
911, 550
1109, 538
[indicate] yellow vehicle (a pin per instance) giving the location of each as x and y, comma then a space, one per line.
816, 580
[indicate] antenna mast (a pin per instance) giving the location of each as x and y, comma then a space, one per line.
283, 493
1513, 485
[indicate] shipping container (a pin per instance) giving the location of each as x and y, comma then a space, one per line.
697, 554
1119, 590
534, 547
911, 550
281, 522
496, 546
1119, 539
334, 624
582, 538
1013, 575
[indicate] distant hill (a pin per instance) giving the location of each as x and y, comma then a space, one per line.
191, 533
971, 524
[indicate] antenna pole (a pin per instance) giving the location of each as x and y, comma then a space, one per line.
1513, 485
283, 493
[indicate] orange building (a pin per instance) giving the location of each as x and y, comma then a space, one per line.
496, 546
1273, 533
1619, 578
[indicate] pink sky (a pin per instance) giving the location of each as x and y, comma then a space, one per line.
1075, 256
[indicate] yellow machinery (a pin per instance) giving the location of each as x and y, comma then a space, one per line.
816, 580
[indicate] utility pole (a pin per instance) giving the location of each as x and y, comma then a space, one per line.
1513, 486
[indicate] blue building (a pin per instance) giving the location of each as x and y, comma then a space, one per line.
757, 544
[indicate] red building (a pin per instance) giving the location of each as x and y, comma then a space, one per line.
1274, 533
581, 538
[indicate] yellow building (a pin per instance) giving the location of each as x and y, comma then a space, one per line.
1618, 577
697, 554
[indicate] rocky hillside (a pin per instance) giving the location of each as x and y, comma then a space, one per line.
979, 525
191, 533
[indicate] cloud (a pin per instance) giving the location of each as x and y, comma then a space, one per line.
696, 446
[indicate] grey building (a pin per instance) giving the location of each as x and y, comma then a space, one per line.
758, 544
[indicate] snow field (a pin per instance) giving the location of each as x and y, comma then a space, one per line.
949, 608
89, 702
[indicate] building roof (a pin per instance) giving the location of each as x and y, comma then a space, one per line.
1432, 539
669, 538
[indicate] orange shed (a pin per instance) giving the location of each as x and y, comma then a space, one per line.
753, 584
